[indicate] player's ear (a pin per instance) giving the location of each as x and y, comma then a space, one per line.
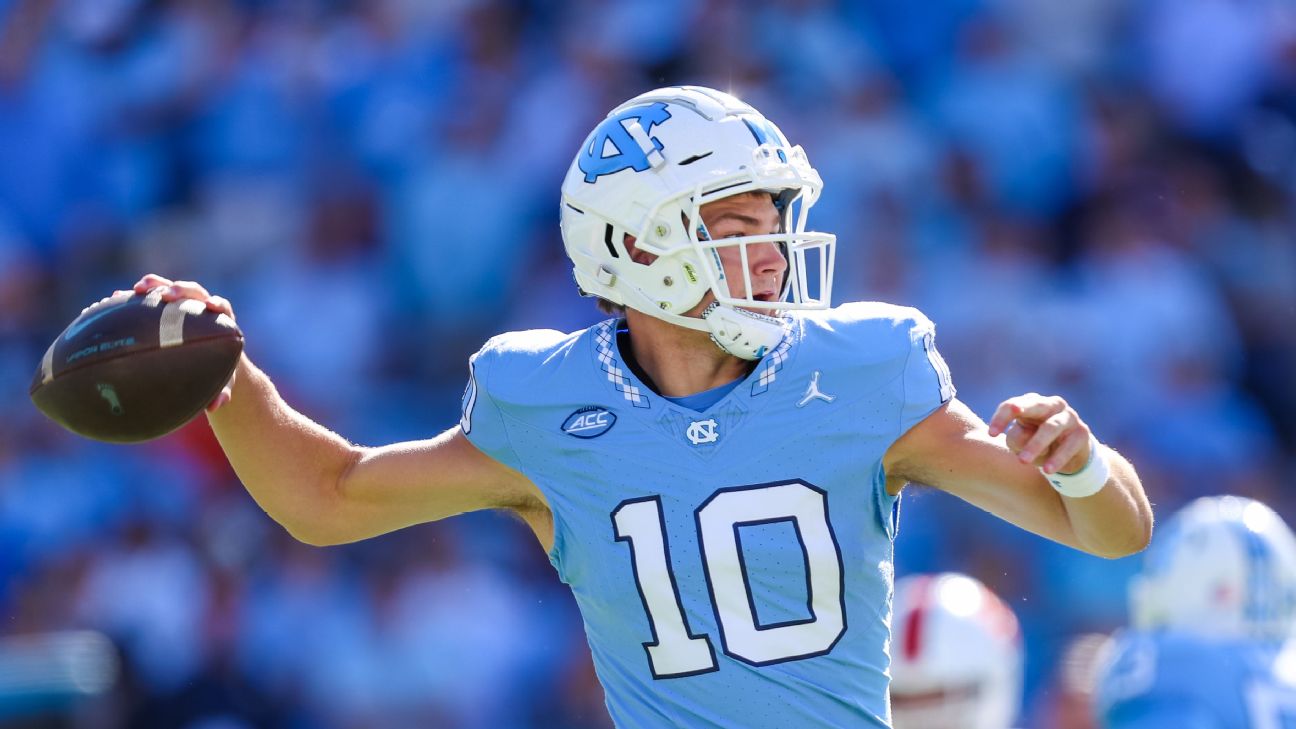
641, 257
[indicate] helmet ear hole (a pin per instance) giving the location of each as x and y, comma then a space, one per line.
607, 241
643, 258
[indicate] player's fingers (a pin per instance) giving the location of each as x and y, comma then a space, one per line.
116, 296
150, 281
220, 401
185, 290
1041, 408
1068, 448
1018, 435
177, 290
1003, 415
180, 290
220, 304
1031, 406
1047, 432
224, 396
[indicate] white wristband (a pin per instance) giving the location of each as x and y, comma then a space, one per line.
1088, 480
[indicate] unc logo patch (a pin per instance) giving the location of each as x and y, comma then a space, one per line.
589, 422
613, 148
701, 432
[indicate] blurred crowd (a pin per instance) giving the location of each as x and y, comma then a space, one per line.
1093, 198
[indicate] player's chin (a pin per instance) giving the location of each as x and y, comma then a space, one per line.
776, 313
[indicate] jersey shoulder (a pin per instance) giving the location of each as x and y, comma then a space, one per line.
864, 325
522, 366
522, 377
863, 333
875, 345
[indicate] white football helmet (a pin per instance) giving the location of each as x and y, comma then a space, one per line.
646, 171
1223, 566
956, 655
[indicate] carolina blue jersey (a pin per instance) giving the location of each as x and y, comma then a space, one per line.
733, 566
1172, 680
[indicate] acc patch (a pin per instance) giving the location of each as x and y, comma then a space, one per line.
590, 422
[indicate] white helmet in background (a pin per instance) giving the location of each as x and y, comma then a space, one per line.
1223, 566
956, 655
645, 172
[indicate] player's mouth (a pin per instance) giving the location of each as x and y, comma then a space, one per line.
766, 296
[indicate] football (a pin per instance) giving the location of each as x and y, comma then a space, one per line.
132, 368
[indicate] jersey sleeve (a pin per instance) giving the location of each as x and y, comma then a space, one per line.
481, 419
927, 381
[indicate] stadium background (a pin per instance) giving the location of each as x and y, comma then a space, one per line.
1092, 198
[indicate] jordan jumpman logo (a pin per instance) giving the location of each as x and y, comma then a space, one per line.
813, 392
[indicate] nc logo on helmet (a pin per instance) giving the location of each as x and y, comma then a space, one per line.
612, 148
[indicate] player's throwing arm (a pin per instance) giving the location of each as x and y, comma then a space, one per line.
325, 490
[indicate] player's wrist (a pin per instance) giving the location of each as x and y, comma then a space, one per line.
1089, 480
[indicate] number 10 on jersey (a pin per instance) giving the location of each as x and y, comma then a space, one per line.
675, 651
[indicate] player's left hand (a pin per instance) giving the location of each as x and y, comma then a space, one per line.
1043, 430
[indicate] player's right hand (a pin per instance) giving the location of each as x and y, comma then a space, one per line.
1044, 431
176, 290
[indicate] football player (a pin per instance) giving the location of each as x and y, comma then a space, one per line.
956, 655
1212, 616
715, 469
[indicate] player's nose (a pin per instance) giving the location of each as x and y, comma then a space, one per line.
766, 258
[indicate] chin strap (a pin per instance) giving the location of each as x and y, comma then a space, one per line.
742, 333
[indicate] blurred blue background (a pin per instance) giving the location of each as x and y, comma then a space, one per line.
1092, 198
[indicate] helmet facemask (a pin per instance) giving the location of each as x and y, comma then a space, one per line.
739, 322
798, 246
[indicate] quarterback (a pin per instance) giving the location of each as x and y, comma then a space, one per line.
714, 470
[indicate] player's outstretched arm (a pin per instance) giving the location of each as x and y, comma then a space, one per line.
323, 489
953, 450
